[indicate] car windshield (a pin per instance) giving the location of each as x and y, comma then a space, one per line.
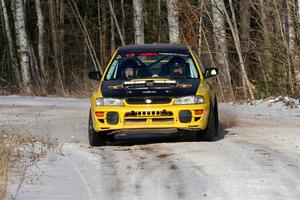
152, 65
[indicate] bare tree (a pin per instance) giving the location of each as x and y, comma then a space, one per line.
173, 21
123, 20
56, 45
298, 7
112, 34
113, 14
159, 20
13, 12
235, 34
220, 42
138, 22
104, 27
100, 35
200, 30
265, 25
245, 20
10, 44
41, 50
23, 46
87, 38
290, 37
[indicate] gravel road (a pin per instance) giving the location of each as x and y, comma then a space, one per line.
259, 158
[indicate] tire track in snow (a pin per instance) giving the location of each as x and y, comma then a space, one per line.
160, 163
173, 179
108, 163
96, 171
82, 178
197, 183
274, 161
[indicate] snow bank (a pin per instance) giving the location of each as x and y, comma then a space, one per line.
272, 107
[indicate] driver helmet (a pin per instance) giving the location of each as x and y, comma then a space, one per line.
128, 63
177, 62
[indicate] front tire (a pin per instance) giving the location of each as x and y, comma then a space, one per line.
211, 130
95, 139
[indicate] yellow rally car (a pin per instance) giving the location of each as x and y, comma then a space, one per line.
153, 86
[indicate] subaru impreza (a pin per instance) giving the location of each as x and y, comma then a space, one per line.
156, 87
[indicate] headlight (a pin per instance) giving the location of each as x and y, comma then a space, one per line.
109, 102
189, 100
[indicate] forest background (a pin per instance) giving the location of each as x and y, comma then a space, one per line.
47, 47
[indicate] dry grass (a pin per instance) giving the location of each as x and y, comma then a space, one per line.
17, 153
227, 119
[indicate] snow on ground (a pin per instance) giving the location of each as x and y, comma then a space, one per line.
61, 118
257, 159
281, 109
15, 100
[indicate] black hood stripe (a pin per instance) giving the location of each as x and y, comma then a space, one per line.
184, 87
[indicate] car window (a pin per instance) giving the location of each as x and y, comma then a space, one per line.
152, 65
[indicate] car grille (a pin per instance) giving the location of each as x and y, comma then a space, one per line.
162, 120
162, 116
150, 100
161, 113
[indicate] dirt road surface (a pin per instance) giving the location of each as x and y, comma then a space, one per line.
259, 158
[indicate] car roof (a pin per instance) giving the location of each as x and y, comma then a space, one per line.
166, 48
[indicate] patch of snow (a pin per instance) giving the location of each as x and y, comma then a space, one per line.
15, 100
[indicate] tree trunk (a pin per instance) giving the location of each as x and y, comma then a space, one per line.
23, 46
200, 30
267, 44
112, 36
36, 79
173, 21
298, 6
290, 37
159, 20
100, 35
55, 44
138, 22
104, 33
213, 63
221, 48
41, 50
61, 36
82, 26
13, 10
123, 20
114, 18
11, 44
235, 34
245, 29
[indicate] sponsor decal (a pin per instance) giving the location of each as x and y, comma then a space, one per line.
148, 101
149, 92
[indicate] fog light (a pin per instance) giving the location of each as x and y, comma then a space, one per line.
112, 118
99, 114
185, 116
199, 112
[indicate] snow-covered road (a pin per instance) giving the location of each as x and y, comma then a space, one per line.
257, 159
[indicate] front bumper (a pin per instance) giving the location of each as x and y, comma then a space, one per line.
112, 118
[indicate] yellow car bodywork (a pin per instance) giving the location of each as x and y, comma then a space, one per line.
150, 115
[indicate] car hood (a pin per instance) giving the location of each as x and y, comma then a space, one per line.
149, 88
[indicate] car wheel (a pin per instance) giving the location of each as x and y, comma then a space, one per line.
217, 124
211, 130
95, 139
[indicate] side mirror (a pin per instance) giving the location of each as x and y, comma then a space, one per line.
95, 75
211, 72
